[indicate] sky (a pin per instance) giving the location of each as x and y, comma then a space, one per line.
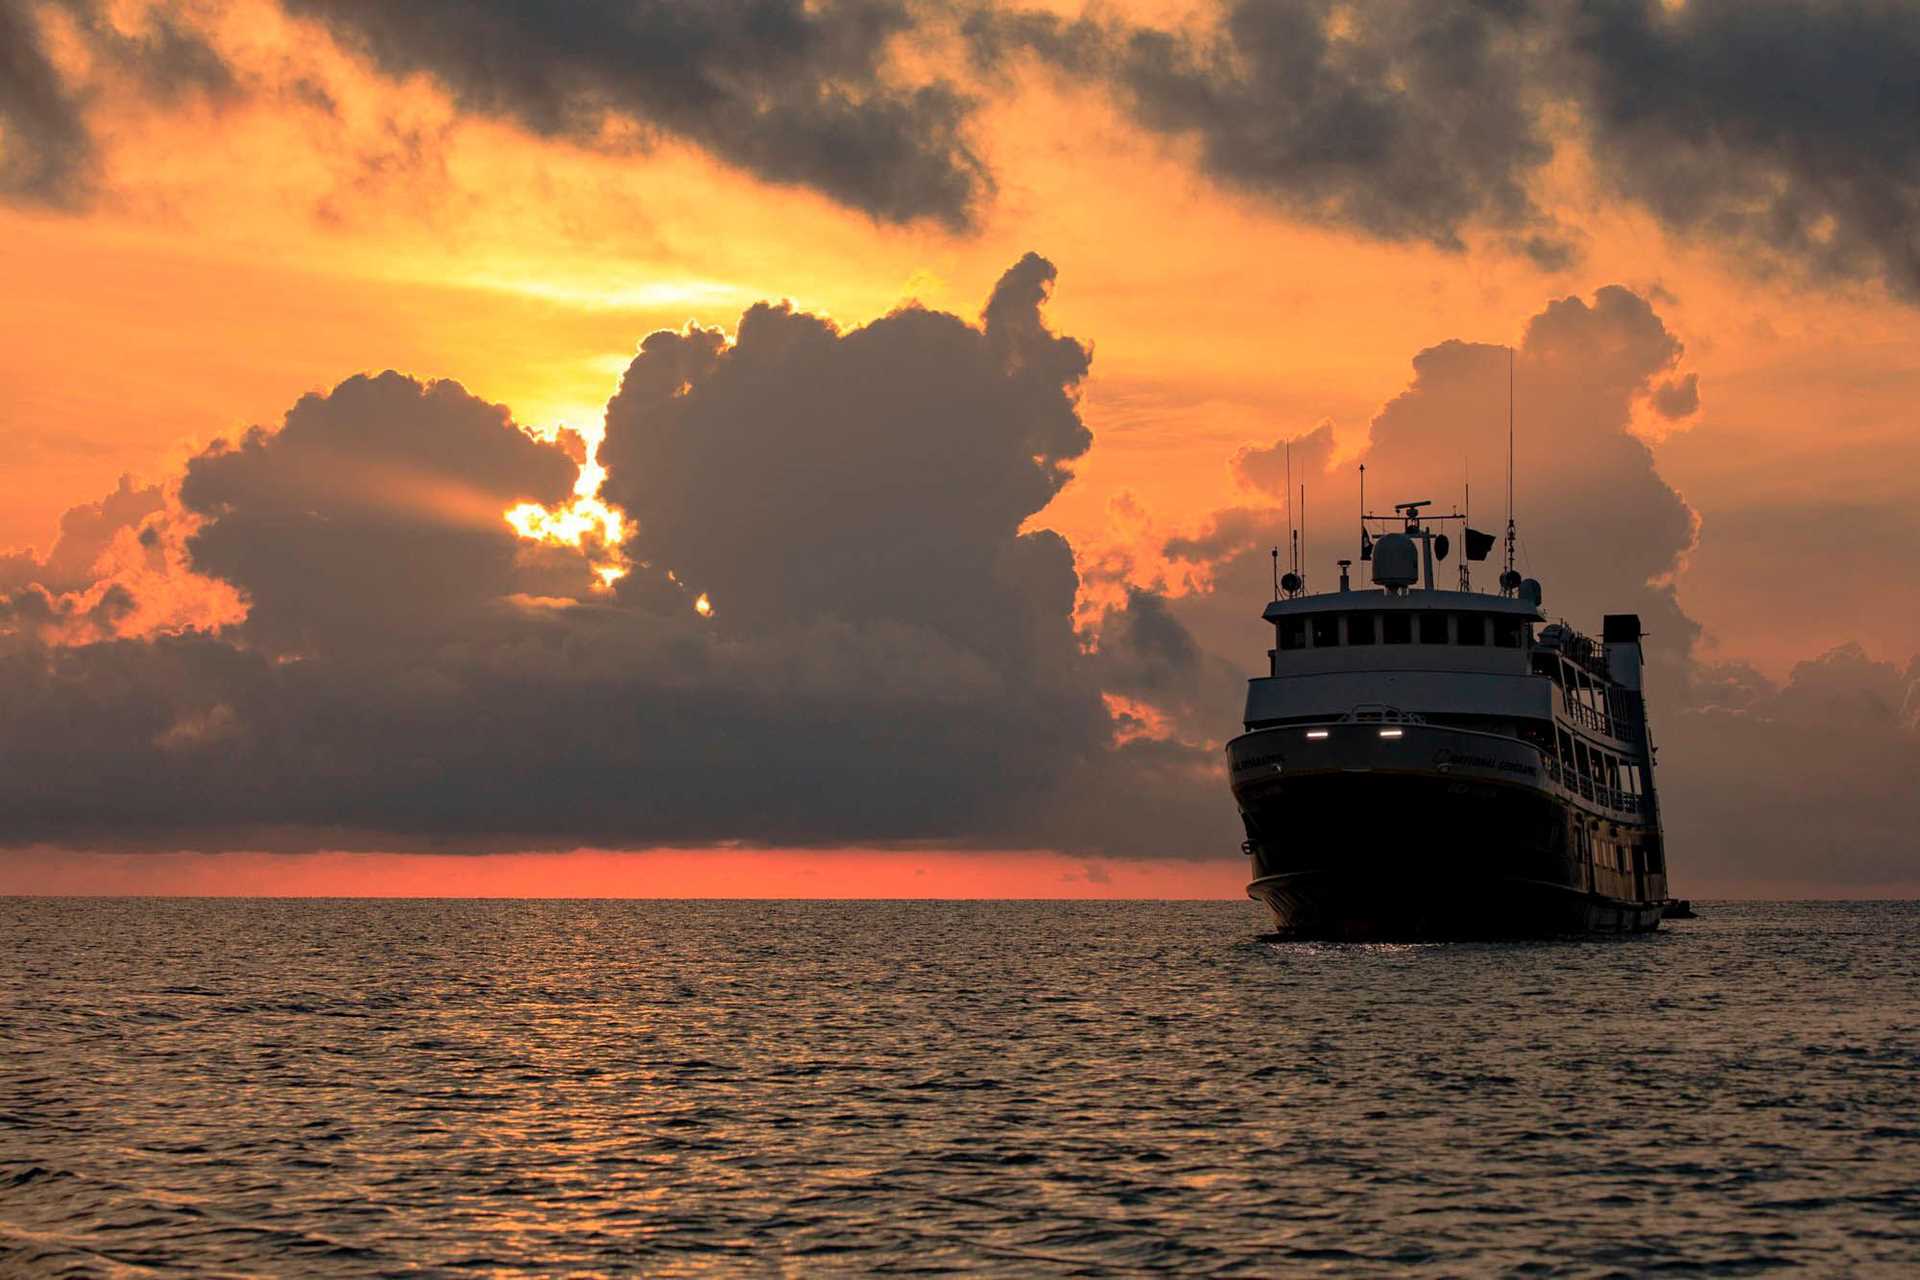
832, 449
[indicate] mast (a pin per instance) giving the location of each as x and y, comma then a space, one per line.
1508, 583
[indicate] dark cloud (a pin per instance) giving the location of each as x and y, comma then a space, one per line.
1405, 121
47, 154
1677, 398
1799, 786
379, 505
1785, 128
792, 92
891, 658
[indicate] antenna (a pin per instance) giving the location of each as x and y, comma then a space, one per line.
1293, 545
1303, 537
1276, 573
1507, 577
1466, 522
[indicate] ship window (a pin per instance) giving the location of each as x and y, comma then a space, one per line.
1359, 628
1293, 633
1566, 748
1506, 632
1433, 628
1396, 628
1326, 630
1470, 628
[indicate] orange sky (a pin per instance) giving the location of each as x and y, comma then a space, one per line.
246, 253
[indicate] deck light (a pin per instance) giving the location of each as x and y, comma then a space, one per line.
1316, 733
1393, 733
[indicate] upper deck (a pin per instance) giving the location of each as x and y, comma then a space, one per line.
1444, 652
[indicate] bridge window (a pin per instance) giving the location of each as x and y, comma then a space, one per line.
1293, 633
1433, 628
1397, 628
1326, 630
1359, 628
1506, 631
1469, 628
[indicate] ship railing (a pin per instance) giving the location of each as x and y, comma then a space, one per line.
1585, 715
1598, 792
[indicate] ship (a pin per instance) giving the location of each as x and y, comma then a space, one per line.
1424, 763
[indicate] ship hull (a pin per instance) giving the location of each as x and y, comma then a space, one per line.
1344, 907
1434, 834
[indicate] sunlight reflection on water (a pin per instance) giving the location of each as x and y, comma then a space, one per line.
360, 1088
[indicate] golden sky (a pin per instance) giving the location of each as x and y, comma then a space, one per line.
329, 217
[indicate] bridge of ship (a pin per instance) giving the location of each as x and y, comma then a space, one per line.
1466, 660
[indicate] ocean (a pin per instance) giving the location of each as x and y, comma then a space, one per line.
477, 1088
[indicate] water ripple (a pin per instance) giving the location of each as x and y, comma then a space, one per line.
492, 1088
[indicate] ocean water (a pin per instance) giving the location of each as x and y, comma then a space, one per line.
210, 1088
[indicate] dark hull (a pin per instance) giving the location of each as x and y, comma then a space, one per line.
1341, 907
1376, 853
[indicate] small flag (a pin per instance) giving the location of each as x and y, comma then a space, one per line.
1366, 546
1479, 545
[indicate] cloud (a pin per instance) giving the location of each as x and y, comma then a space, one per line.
49, 156
791, 92
1405, 122
379, 505
1801, 785
1781, 131
1302, 458
1678, 397
86, 532
1597, 523
891, 659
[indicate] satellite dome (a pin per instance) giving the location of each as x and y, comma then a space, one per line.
1396, 562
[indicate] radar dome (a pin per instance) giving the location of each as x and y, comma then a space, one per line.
1396, 562
1530, 592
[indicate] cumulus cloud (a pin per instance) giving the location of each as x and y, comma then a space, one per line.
86, 532
889, 659
1787, 787
1803, 785
376, 506
792, 92
1597, 523
1268, 469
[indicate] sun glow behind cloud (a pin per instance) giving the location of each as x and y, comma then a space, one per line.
587, 521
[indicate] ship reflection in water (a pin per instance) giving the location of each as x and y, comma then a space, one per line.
1423, 763
210, 1088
